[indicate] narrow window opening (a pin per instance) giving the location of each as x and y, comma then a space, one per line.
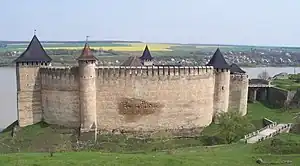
222, 87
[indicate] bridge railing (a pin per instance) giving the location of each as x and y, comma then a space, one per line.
254, 133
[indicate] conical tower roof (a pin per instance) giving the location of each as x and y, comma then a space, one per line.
146, 56
86, 54
234, 68
218, 61
34, 52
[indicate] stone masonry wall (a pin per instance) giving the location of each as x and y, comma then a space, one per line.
60, 96
28, 94
147, 99
133, 99
238, 93
277, 96
221, 91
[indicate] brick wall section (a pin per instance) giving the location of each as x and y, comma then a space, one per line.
238, 93
28, 94
133, 99
60, 96
277, 96
170, 98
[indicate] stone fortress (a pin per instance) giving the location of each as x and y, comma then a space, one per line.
136, 96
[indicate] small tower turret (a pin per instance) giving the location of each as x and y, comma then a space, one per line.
222, 82
146, 58
29, 106
87, 87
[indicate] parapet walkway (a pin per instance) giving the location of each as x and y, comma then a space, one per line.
268, 131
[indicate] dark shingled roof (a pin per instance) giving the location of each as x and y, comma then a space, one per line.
218, 61
87, 54
146, 55
234, 68
132, 61
34, 52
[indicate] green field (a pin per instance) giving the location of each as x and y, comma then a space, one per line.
130, 46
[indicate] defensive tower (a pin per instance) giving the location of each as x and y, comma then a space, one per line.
87, 89
29, 104
222, 81
146, 58
238, 89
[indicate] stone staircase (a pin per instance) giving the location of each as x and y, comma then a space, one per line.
267, 132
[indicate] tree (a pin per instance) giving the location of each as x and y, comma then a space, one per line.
233, 126
264, 75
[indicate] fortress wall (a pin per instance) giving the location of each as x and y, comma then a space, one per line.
28, 94
154, 98
60, 96
238, 94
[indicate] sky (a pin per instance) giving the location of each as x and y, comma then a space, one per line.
241, 22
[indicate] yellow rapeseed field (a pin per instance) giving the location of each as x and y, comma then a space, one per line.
130, 47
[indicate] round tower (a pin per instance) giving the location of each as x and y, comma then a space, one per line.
87, 89
222, 82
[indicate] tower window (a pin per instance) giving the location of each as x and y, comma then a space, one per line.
222, 87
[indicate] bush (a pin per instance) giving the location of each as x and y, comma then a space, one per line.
231, 127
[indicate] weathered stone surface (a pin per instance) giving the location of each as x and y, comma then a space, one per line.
141, 99
221, 90
238, 93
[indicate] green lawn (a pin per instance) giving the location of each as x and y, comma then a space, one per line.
257, 111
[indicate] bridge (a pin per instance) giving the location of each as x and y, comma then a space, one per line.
267, 132
258, 89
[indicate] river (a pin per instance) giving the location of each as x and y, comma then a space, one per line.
8, 101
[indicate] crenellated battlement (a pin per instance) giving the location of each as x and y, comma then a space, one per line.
59, 72
238, 77
145, 71
60, 78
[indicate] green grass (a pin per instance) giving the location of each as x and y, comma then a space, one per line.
228, 155
287, 84
188, 151
257, 111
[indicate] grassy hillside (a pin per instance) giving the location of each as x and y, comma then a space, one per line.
228, 155
131, 151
